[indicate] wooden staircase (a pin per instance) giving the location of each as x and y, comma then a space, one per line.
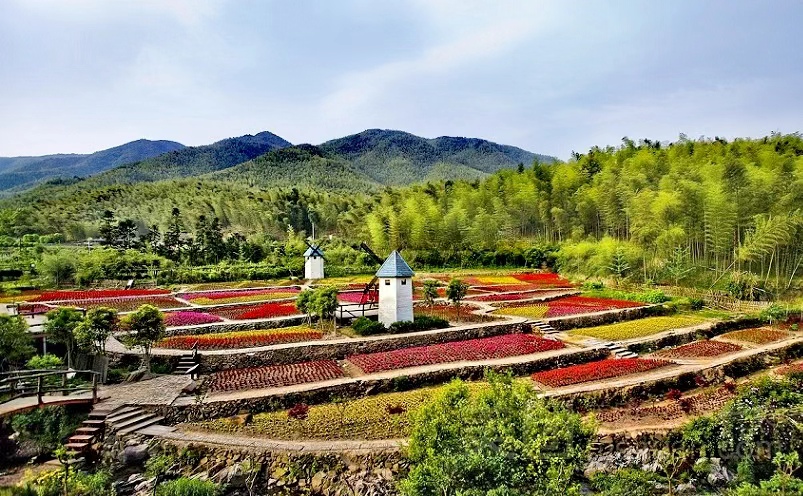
90, 432
188, 363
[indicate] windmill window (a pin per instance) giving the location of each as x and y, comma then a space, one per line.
404, 282
387, 282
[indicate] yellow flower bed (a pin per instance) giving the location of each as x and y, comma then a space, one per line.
384, 416
498, 280
529, 311
245, 299
638, 328
17, 299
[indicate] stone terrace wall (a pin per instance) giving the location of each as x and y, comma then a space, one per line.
358, 388
338, 350
673, 340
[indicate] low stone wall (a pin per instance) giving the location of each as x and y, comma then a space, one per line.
575, 322
715, 329
276, 473
219, 327
359, 388
328, 350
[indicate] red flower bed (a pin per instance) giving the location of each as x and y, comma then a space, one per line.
241, 339
357, 296
185, 318
700, 349
524, 295
447, 311
543, 279
275, 376
501, 288
257, 311
470, 350
796, 368
576, 305
33, 308
97, 293
595, 371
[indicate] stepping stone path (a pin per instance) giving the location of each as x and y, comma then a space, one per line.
546, 329
617, 350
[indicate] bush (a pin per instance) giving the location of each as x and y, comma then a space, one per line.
43, 362
422, 323
593, 286
187, 487
696, 303
46, 427
78, 484
363, 326
626, 482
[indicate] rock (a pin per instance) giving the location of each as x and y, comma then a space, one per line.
135, 455
144, 485
718, 475
317, 481
136, 375
243, 419
687, 488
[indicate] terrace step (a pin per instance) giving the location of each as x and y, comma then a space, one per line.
116, 419
133, 421
88, 430
77, 447
81, 438
544, 327
141, 425
186, 363
97, 423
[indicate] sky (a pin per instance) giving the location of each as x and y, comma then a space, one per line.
552, 77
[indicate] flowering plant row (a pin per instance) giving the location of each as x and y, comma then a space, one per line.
33, 308
241, 339
762, 335
706, 401
185, 318
638, 328
595, 371
449, 312
240, 296
543, 279
561, 307
97, 293
506, 288
470, 350
127, 304
260, 311
700, 349
522, 295
357, 296
275, 376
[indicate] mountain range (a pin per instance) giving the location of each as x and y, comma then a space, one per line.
363, 161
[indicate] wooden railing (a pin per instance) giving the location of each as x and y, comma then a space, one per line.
27, 383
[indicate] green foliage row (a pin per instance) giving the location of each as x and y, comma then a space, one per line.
363, 326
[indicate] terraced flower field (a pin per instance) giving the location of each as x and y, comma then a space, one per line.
762, 335
595, 371
242, 339
700, 349
256, 311
469, 350
49, 296
240, 296
515, 296
274, 376
127, 304
185, 318
448, 312
384, 416
570, 305
638, 328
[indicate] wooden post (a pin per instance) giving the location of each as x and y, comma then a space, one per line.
64, 384
39, 381
94, 388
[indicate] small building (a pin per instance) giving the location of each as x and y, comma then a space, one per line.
313, 263
395, 279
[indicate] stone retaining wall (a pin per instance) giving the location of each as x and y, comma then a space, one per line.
219, 327
674, 340
327, 350
575, 322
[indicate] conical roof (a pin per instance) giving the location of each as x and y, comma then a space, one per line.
310, 252
395, 266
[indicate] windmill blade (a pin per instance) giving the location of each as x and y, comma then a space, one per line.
315, 249
371, 253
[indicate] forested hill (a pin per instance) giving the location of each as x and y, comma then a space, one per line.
395, 157
193, 161
23, 172
379, 157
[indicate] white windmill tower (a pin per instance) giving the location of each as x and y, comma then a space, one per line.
313, 262
395, 290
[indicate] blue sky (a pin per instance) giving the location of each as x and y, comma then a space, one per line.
552, 77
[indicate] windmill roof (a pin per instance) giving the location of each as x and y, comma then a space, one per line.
395, 266
310, 252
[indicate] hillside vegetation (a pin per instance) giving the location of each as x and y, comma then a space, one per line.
23, 172
695, 208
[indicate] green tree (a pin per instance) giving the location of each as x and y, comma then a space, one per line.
430, 291
619, 266
324, 304
456, 292
16, 343
60, 327
304, 304
146, 326
92, 333
59, 267
502, 440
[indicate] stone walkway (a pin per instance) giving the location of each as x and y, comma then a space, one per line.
161, 390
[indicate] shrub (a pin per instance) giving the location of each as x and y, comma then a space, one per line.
363, 326
422, 323
42, 362
696, 303
187, 487
46, 427
78, 484
626, 482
